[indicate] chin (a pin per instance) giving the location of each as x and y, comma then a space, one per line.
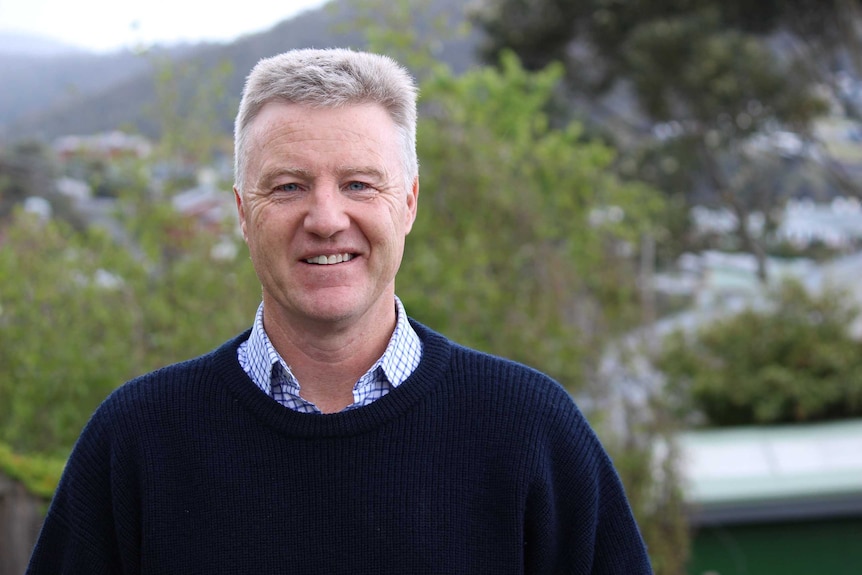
331, 309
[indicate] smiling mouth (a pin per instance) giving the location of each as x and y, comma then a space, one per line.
330, 260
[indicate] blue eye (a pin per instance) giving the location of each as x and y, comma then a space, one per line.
357, 186
287, 188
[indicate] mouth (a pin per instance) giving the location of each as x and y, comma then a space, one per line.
330, 259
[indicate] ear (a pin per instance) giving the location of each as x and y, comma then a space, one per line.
240, 210
412, 205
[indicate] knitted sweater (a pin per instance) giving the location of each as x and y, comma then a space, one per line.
475, 464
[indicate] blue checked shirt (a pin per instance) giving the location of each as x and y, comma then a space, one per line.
268, 370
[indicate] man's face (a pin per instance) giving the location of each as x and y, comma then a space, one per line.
325, 213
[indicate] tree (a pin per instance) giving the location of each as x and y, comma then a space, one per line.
529, 239
84, 308
189, 107
593, 37
82, 311
793, 360
713, 83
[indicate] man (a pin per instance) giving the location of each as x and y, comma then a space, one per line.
336, 436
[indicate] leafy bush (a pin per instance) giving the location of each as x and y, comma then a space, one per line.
38, 474
792, 361
507, 254
81, 312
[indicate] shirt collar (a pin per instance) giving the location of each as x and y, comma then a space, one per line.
399, 360
403, 352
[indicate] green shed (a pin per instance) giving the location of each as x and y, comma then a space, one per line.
782, 500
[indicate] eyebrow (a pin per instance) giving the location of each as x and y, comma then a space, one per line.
347, 171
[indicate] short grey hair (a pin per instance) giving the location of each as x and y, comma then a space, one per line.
329, 78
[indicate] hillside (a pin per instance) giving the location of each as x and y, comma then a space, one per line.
84, 94
36, 84
21, 43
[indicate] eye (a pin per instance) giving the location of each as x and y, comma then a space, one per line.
287, 188
358, 186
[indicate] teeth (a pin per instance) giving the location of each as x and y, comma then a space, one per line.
328, 260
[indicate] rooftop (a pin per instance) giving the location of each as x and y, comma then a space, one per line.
768, 473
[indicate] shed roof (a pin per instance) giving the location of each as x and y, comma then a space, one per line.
768, 473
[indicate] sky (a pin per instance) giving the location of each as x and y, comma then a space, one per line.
107, 25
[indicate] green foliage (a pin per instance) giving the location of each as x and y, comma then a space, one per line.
719, 71
700, 73
190, 103
384, 22
543, 30
711, 81
38, 474
507, 228
791, 362
82, 311
537, 31
647, 461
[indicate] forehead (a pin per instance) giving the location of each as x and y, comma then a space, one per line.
285, 135
306, 121
280, 122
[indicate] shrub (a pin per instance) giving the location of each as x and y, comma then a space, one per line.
794, 360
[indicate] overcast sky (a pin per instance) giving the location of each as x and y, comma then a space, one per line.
105, 25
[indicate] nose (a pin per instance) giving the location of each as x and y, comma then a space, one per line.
326, 214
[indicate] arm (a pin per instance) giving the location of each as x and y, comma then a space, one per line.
578, 520
80, 532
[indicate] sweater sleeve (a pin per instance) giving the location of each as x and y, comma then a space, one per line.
619, 545
60, 551
80, 531
578, 520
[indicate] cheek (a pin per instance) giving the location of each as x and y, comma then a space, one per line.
270, 231
257, 220
255, 234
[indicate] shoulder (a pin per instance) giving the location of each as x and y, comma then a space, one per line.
503, 374
522, 412
141, 413
216, 361
487, 382
149, 397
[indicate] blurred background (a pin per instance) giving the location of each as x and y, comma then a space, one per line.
658, 202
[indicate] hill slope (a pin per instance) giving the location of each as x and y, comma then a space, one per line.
84, 94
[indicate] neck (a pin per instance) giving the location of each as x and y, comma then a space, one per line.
328, 360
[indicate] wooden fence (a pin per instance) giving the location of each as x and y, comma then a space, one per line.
21, 515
